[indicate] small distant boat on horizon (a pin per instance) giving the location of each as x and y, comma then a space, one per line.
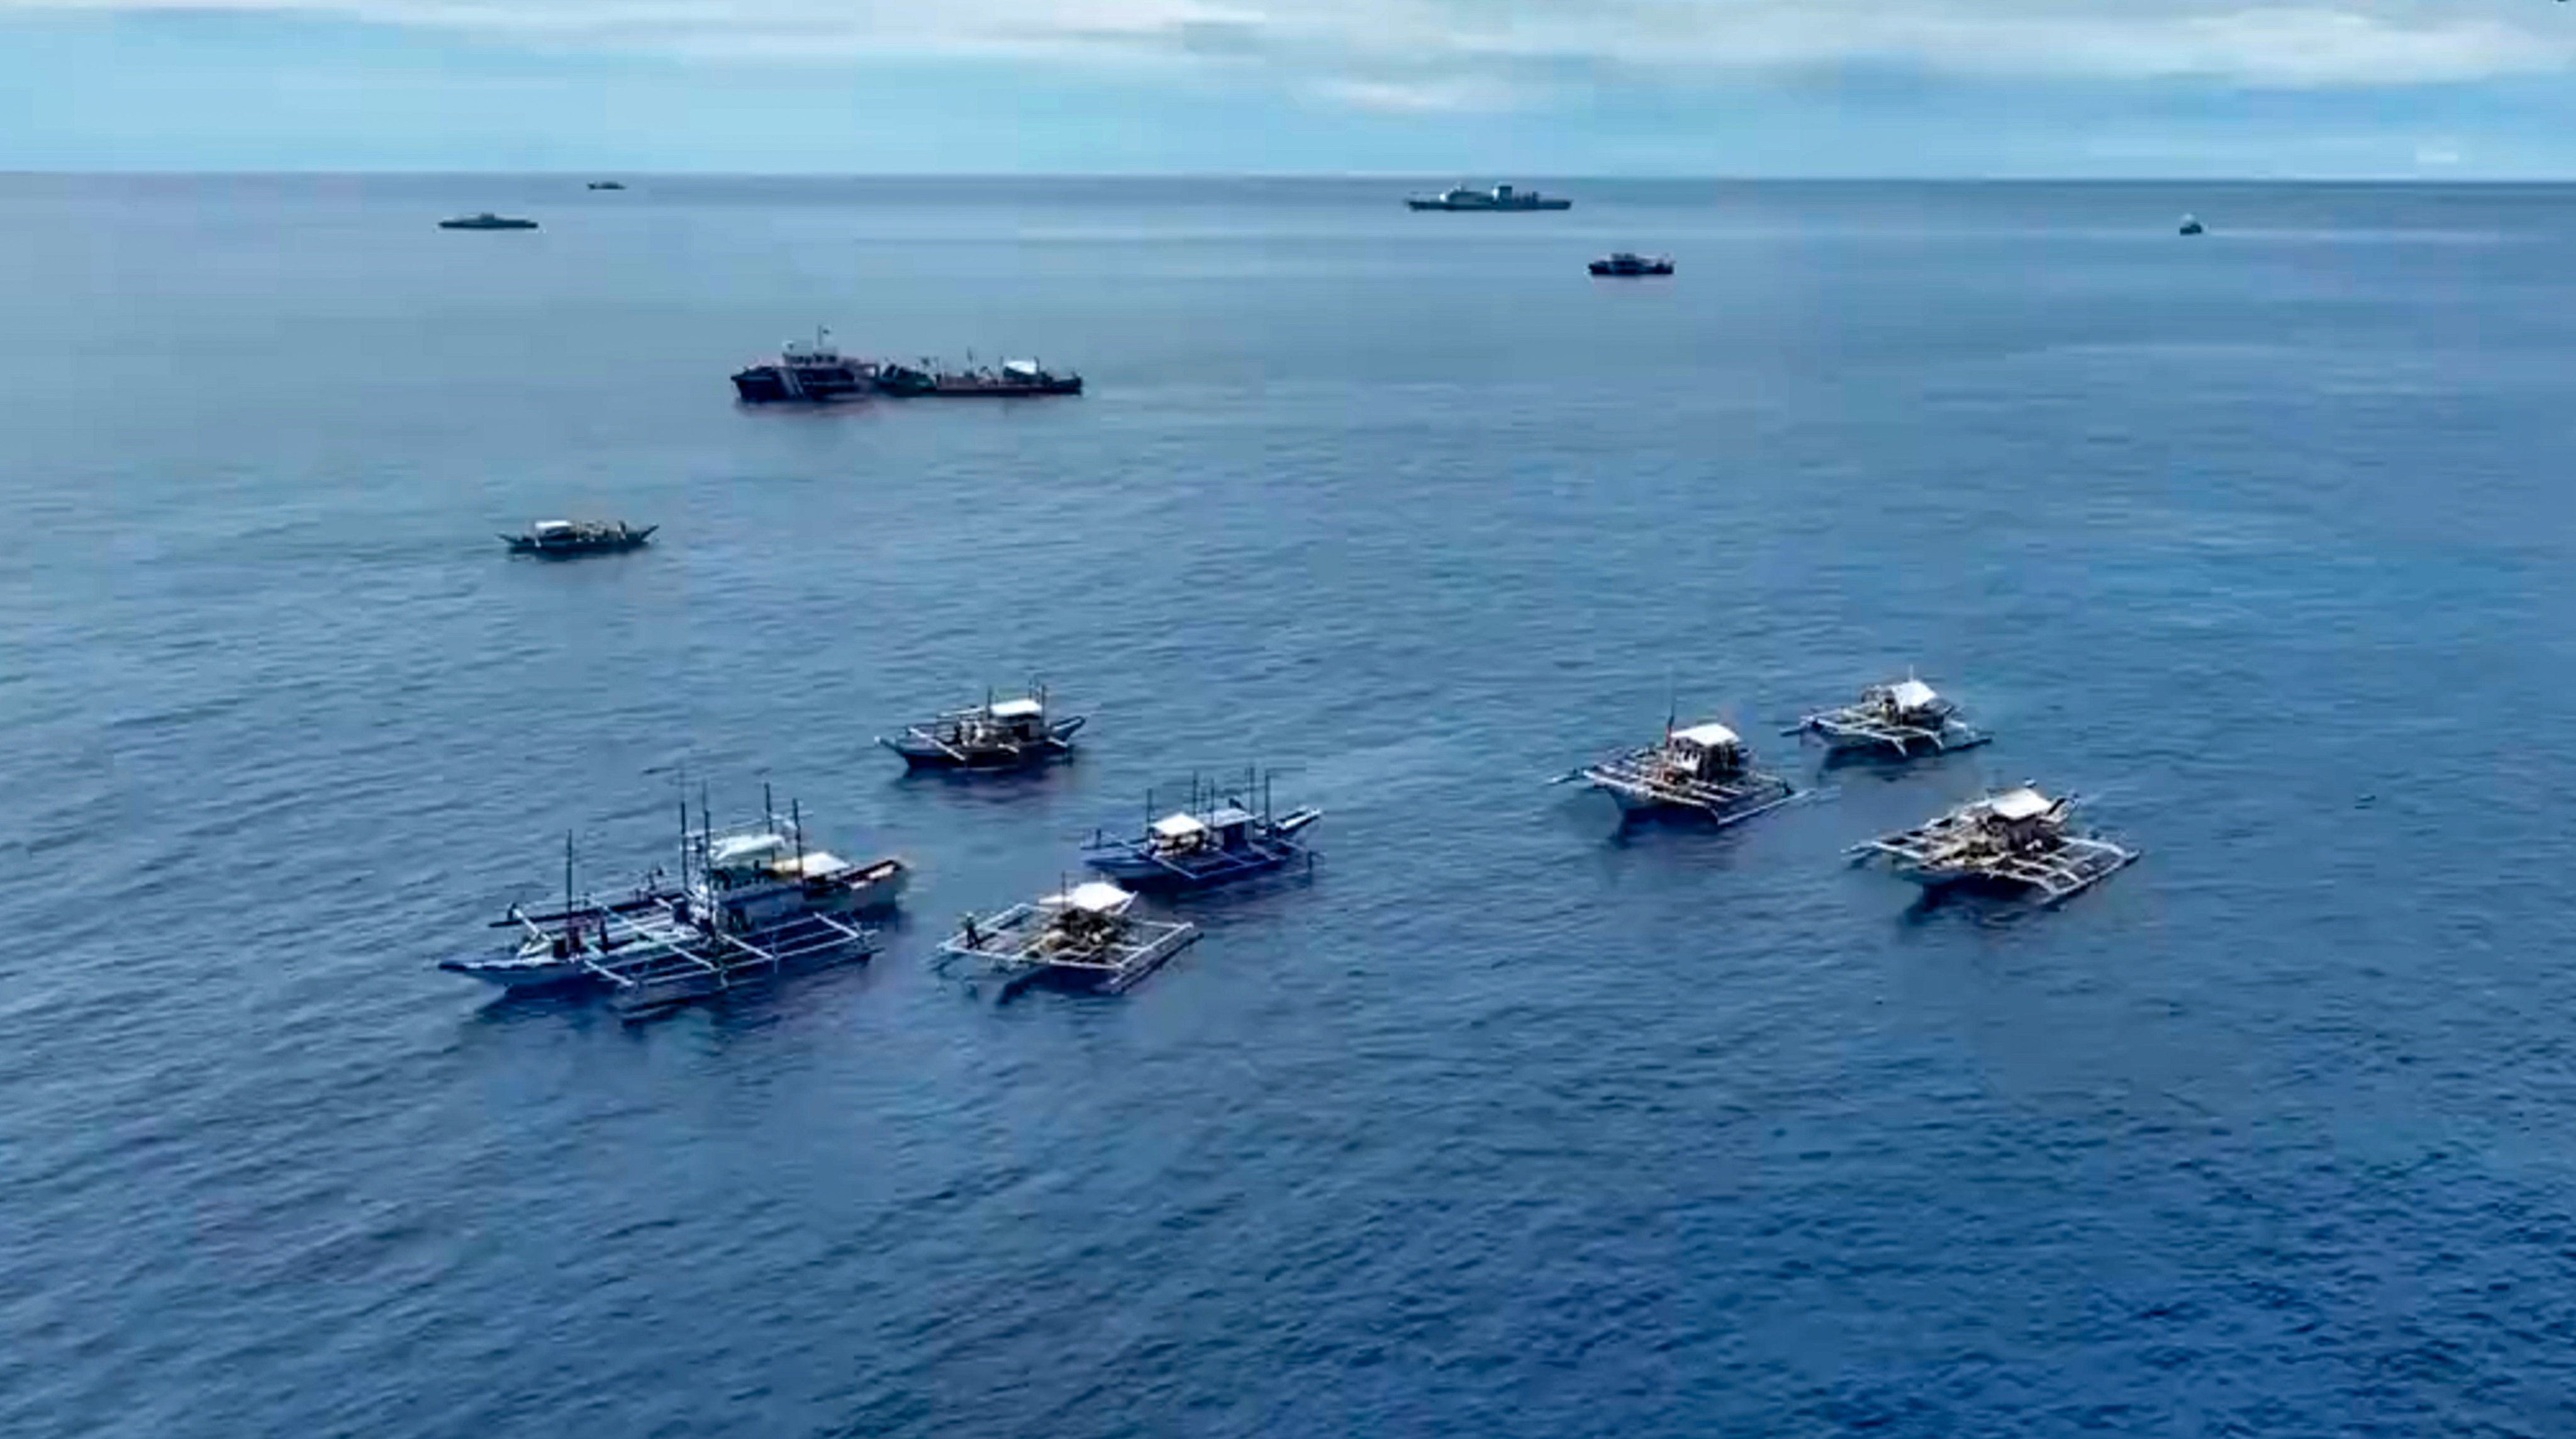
606, 185
1628, 263
487, 221
561, 539
1500, 197
2191, 225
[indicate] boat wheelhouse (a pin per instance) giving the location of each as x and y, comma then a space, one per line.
1629, 263
1704, 771
997, 734
751, 900
1903, 719
2017, 841
562, 539
816, 373
1216, 840
1087, 935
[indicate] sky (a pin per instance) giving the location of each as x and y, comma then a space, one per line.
2451, 89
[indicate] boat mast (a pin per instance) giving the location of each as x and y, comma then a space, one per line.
796, 822
567, 876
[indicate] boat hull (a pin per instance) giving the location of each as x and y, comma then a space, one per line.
511, 972
1489, 208
521, 545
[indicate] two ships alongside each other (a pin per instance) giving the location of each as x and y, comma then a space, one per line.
821, 373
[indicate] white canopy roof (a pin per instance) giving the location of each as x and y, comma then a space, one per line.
1097, 896
2023, 803
1228, 816
1178, 826
748, 848
548, 527
1707, 736
1912, 694
1015, 709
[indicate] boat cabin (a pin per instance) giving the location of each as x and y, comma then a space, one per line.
1704, 752
2022, 816
552, 531
1224, 828
1089, 914
1911, 701
743, 860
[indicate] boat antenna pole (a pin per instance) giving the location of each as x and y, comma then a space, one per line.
796, 821
768, 808
567, 876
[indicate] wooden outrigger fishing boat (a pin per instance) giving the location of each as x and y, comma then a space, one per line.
1703, 771
1215, 840
1087, 935
1905, 719
563, 539
751, 901
2018, 841
997, 734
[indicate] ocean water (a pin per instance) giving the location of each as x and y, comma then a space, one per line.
1501, 1125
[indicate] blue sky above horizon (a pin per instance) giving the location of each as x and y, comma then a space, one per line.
2002, 88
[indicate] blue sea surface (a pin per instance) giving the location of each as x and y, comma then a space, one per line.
1504, 1124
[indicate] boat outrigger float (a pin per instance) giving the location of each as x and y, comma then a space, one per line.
1703, 770
2019, 841
1086, 935
1904, 720
997, 734
751, 901
1217, 839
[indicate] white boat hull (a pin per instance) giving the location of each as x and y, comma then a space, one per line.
512, 972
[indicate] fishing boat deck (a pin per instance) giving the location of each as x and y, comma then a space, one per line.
652, 960
1644, 776
1904, 717
1029, 941
1963, 847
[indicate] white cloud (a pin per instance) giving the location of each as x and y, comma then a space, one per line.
1466, 54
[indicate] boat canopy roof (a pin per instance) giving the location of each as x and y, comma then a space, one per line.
1912, 694
1228, 817
1097, 896
1016, 709
742, 849
2022, 803
817, 863
1178, 826
554, 527
1020, 367
1707, 736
